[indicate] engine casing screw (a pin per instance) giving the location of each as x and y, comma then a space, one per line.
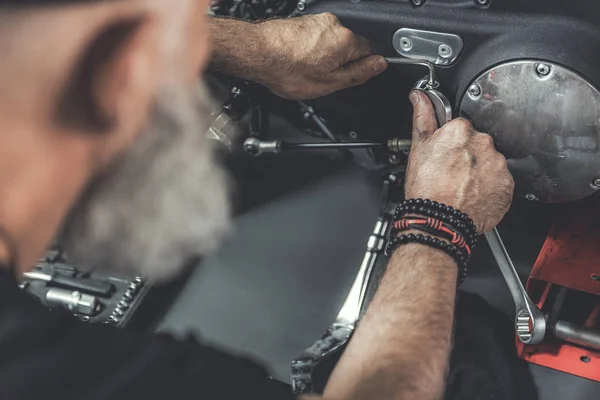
482, 2
542, 69
417, 3
596, 184
474, 90
301, 6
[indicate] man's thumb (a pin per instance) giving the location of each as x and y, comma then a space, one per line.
424, 121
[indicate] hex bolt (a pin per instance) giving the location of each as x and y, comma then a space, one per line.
531, 197
444, 51
542, 69
406, 44
417, 3
301, 6
596, 184
474, 90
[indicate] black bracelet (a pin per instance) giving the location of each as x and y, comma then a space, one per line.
460, 221
435, 243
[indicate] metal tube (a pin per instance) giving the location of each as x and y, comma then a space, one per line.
343, 145
572, 333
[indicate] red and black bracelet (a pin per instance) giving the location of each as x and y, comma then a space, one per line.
432, 226
459, 221
435, 243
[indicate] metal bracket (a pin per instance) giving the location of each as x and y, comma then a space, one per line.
340, 332
436, 47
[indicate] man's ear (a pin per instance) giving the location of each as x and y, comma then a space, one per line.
114, 82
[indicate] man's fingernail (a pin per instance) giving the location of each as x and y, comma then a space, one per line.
414, 97
380, 65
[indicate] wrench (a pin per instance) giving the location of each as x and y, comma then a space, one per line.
530, 321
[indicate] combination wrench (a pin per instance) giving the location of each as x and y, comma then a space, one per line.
530, 321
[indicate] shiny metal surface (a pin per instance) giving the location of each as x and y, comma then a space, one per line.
572, 333
76, 302
546, 120
431, 80
436, 47
256, 147
339, 333
350, 311
530, 322
222, 129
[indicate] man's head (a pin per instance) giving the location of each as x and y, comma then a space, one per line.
116, 81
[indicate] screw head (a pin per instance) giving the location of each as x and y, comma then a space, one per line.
474, 90
542, 69
444, 51
596, 184
531, 197
417, 3
353, 134
251, 149
406, 44
394, 159
301, 6
482, 2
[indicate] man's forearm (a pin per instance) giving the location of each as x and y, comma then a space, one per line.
402, 346
237, 48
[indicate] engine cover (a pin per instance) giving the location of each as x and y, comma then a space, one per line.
545, 119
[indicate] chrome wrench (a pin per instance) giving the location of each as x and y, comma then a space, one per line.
530, 321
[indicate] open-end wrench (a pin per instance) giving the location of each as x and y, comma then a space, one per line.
530, 321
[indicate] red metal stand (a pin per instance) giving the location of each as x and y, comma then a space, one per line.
570, 259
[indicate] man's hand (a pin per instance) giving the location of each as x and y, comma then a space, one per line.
298, 58
457, 166
314, 55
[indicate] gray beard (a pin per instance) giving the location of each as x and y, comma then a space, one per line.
164, 203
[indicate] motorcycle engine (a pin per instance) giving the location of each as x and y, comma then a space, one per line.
523, 71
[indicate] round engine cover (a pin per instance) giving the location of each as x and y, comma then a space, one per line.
545, 119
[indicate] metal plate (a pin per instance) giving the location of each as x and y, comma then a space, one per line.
545, 119
436, 47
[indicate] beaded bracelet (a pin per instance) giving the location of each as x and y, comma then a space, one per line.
424, 207
435, 243
434, 227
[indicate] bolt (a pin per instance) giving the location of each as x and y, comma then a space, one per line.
595, 277
531, 197
394, 159
417, 3
301, 6
406, 44
482, 2
542, 69
474, 91
596, 184
251, 150
353, 135
444, 51
235, 91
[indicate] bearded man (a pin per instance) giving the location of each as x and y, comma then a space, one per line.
101, 140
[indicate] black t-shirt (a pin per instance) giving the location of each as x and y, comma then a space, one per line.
51, 355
